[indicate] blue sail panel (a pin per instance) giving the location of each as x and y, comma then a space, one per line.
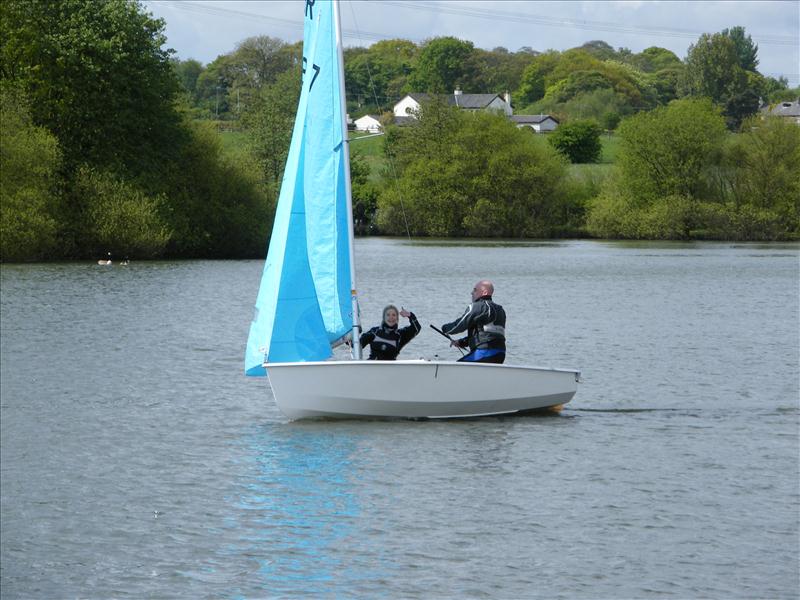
325, 175
303, 303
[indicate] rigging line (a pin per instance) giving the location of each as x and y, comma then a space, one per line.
239, 14
516, 17
391, 160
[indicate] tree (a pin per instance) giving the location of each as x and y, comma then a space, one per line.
580, 82
119, 217
763, 162
654, 59
375, 76
496, 71
442, 65
531, 87
579, 141
215, 207
489, 179
98, 75
187, 72
670, 150
30, 160
713, 70
746, 50
773, 87
269, 122
599, 49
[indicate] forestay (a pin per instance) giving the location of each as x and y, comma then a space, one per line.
304, 302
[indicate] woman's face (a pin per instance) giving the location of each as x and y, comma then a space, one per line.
390, 317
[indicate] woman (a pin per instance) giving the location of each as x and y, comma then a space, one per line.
386, 340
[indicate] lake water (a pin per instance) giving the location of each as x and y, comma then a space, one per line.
138, 461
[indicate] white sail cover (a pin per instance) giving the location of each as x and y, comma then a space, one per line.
304, 302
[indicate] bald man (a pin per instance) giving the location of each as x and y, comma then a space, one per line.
485, 324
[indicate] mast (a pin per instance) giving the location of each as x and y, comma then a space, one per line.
347, 186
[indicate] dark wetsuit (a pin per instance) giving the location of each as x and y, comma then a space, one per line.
485, 324
386, 342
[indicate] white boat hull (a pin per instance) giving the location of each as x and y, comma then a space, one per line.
415, 389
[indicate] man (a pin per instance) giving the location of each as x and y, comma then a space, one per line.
485, 323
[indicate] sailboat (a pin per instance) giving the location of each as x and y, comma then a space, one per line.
307, 302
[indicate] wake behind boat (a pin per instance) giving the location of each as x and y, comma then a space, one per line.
308, 302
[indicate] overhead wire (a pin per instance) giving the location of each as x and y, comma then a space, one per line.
516, 17
492, 14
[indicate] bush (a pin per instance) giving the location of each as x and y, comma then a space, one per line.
579, 141
119, 218
762, 171
216, 207
30, 159
479, 176
671, 151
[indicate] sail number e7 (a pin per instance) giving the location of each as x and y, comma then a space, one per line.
316, 72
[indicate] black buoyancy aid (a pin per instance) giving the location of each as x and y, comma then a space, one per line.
385, 342
485, 322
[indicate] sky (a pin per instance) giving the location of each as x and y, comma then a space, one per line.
205, 29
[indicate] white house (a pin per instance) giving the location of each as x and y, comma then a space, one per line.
408, 106
369, 123
789, 111
539, 123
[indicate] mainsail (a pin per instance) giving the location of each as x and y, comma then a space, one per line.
304, 301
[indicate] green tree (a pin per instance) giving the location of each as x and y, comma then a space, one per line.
580, 82
713, 70
773, 87
489, 179
654, 59
670, 150
269, 122
665, 83
762, 166
579, 141
216, 207
600, 50
375, 77
431, 135
119, 217
441, 66
187, 72
746, 49
365, 194
98, 75
214, 84
30, 160
496, 71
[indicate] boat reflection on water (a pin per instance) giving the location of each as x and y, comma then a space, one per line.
297, 510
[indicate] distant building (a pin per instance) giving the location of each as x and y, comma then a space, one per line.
408, 106
539, 123
786, 110
369, 123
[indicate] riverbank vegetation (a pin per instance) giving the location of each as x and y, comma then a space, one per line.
110, 144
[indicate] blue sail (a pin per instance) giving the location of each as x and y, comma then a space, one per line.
303, 304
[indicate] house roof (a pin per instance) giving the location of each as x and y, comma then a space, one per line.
374, 117
531, 119
460, 100
785, 109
